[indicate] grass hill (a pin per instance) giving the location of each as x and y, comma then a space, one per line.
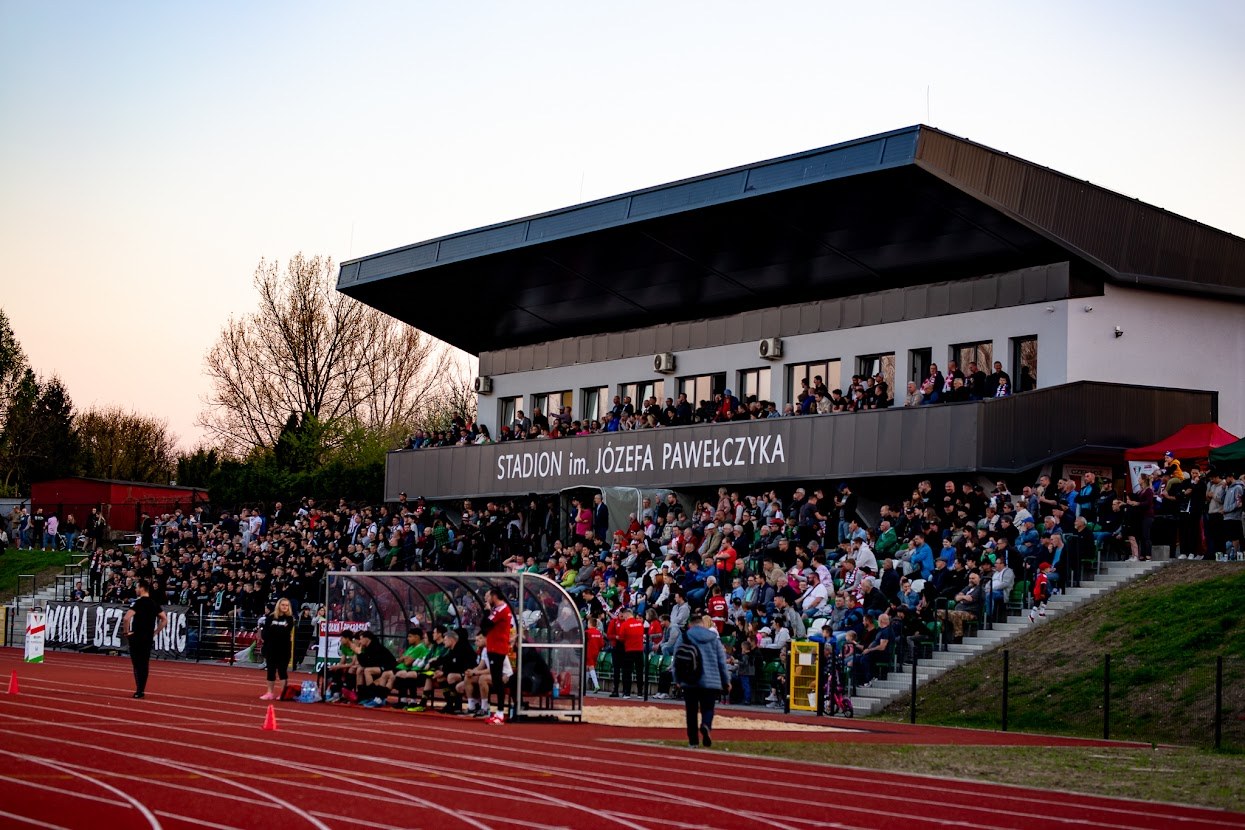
1163, 633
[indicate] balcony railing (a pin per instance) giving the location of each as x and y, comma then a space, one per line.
995, 436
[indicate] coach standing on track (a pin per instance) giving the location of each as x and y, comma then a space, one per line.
143, 622
715, 678
496, 629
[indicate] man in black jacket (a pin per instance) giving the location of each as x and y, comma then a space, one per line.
968, 605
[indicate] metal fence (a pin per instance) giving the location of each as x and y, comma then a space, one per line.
1123, 696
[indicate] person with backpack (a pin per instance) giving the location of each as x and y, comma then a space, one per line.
700, 668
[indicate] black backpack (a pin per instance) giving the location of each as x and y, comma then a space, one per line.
686, 664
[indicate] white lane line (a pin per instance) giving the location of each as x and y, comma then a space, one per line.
24, 820
205, 772
578, 775
63, 792
575, 777
133, 802
440, 771
199, 821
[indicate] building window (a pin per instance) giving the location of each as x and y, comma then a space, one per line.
642, 390
981, 353
918, 365
596, 403
551, 403
754, 383
509, 409
702, 387
873, 364
1024, 363
800, 374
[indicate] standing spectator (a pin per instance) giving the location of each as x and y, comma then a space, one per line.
600, 518
70, 529
1215, 491
701, 694
1143, 505
1233, 513
50, 529
1002, 580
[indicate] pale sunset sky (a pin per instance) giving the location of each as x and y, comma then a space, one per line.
152, 152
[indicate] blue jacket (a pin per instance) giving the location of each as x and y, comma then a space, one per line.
923, 560
713, 671
1028, 543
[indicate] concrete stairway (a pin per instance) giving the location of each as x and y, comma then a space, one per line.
880, 693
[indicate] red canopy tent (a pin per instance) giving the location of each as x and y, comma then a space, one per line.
1192, 442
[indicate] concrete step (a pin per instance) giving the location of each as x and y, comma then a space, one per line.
867, 705
967, 647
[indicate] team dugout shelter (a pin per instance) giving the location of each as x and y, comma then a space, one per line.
548, 652
1118, 322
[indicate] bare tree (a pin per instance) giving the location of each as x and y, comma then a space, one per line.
455, 397
114, 443
310, 350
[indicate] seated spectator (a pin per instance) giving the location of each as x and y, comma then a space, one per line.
968, 606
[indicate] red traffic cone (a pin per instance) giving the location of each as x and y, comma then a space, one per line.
13, 683
270, 720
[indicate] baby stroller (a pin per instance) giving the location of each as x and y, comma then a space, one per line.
837, 698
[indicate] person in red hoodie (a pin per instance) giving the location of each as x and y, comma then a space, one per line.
496, 629
594, 641
631, 632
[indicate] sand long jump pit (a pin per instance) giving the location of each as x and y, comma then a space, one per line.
672, 717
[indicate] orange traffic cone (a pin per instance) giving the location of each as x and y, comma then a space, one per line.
270, 720
13, 683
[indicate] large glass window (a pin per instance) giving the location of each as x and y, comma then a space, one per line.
874, 364
754, 383
918, 365
1024, 363
702, 387
981, 353
642, 390
551, 403
799, 374
596, 401
508, 409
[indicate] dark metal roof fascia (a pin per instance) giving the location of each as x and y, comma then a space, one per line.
1101, 259
863, 155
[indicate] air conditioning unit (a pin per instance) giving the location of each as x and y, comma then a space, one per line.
663, 362
484, 386
770, 348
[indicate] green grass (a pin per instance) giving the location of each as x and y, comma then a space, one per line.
1163, 634
44, 564
1171, 774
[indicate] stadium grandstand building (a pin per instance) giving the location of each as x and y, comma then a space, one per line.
1115, 321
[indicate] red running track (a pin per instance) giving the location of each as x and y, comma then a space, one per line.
76, 751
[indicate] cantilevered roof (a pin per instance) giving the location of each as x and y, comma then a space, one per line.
911, 206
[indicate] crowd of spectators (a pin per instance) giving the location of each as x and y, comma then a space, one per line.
814, 398
766, 567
